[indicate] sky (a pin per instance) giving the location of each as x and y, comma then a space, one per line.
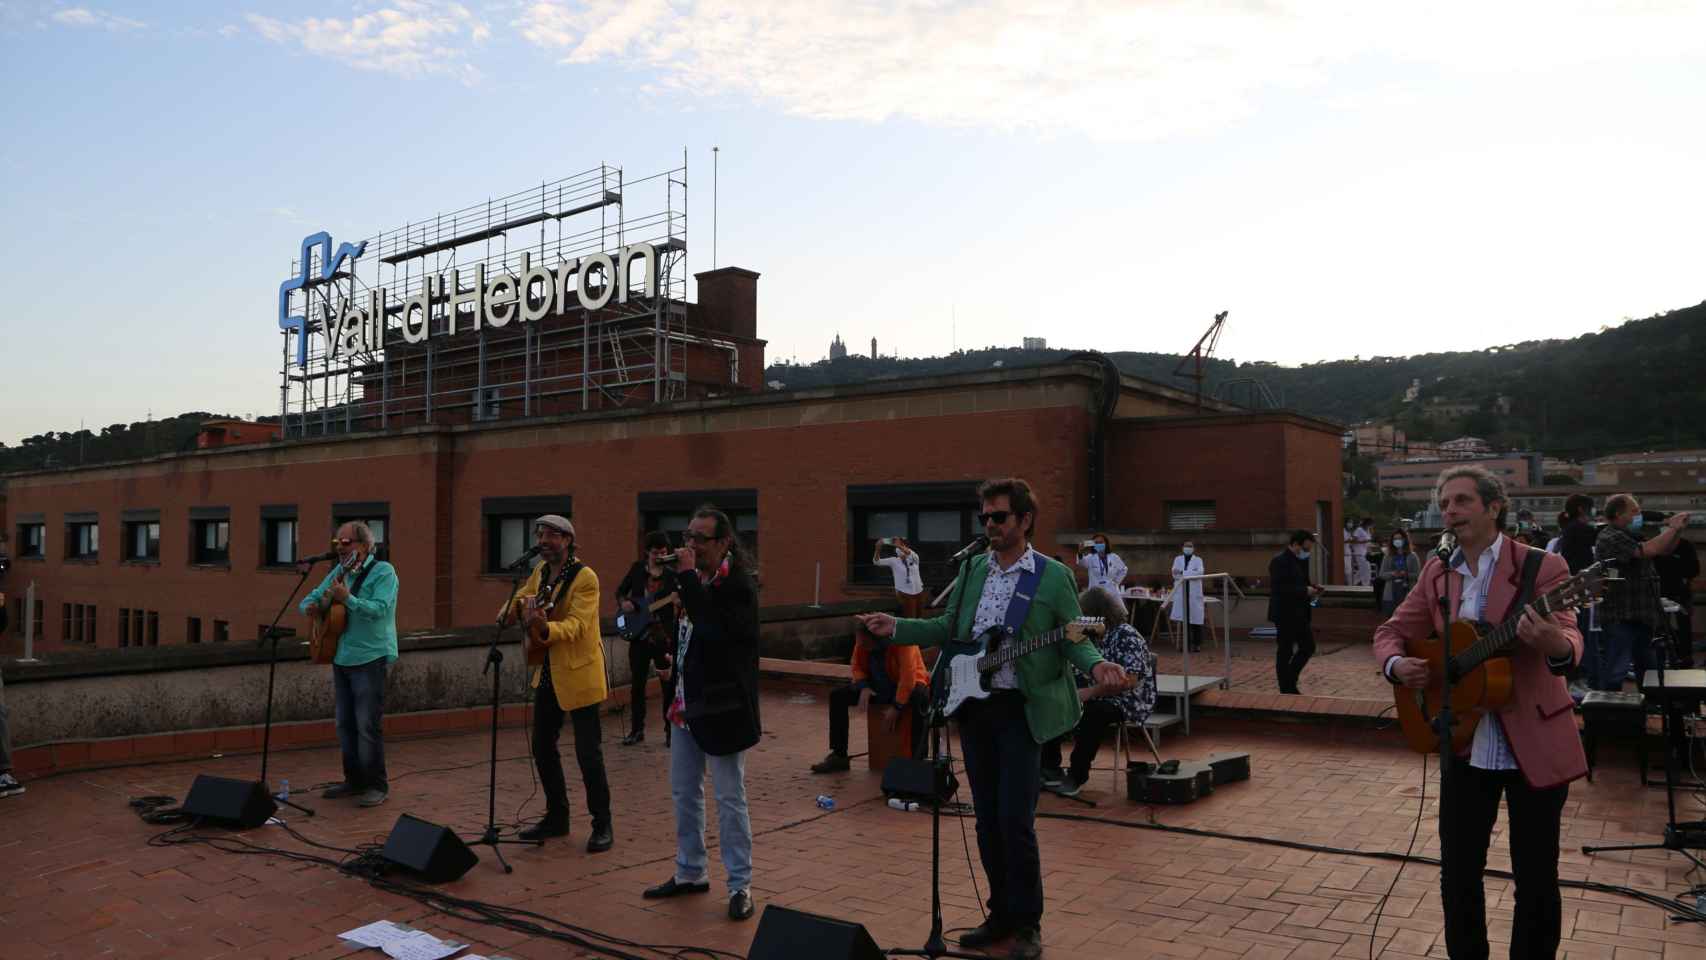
1346, 178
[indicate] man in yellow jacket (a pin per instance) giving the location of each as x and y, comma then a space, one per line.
558, 606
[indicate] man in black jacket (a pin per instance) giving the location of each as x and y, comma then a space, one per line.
1289, 609
1575, 541
649, 580
714, 708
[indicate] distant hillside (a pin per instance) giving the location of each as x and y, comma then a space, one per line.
120, 441
1641, 385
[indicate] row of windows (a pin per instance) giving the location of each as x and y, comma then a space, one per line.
209, 537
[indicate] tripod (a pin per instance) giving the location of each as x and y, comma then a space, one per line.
495, 659
1679, 837
272, 672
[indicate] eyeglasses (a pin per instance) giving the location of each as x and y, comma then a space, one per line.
342, 542
695, 536
997, 517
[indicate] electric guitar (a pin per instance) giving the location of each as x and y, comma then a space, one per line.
634, 624
329, 624
970, 666
1479, 660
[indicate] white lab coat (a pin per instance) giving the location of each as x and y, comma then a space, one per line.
1187, 567
1105, 570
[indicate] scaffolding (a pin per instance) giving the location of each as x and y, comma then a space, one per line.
632, 350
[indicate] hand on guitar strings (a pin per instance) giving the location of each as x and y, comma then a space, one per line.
1543, 633
1411, 672
338, 592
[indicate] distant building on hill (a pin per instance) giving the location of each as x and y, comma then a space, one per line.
1036, 343
837, 349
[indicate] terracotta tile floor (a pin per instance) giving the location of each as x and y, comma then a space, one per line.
81, 880
1338, 669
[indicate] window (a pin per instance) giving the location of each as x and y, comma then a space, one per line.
18, 625
1190, 514
278, 536
79, 623
672, 511
141, 536
154, 628
375, 513
509, 525
124, 626
937, 519
192, 630
32, 539
82, 536
221, 631
210, 536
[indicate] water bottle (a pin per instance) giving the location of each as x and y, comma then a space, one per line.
284, 789
825, 801
899, 804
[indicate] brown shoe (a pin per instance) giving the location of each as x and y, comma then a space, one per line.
834, 763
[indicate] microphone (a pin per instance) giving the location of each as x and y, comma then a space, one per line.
522, 560
316, 558
977, 545
1447, 545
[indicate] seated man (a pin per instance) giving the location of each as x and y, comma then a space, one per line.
1104, 706
894, 677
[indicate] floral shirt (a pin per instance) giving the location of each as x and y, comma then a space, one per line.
1126, 647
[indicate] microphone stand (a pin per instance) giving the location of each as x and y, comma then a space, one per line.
935, 945
1445, 721
272, 671
495, 658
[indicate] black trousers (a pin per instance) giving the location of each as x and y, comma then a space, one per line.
589, 753
1099, 716
1296, 644
643, 652
842, 699
1469, 804
1003, 766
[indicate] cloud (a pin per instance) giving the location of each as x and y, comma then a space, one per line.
1113, 69
96, 19
405, 37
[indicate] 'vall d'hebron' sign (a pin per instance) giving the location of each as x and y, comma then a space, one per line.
537, 292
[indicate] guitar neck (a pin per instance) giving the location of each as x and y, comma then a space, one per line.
1008, 652
1502, 639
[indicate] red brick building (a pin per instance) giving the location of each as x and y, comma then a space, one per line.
195, 547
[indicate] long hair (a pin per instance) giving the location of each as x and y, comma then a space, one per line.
739, 559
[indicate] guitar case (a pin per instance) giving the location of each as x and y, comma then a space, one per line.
1189, 781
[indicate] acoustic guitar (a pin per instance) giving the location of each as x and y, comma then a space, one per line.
538, 637
328, 626
1479, 659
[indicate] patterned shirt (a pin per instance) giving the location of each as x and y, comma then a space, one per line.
1126, 647
992, 608
1635, 599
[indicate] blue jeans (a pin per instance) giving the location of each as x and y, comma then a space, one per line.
687, 765
360, 694
1623, 645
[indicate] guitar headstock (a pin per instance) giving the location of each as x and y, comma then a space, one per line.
1585, 588
1085, 628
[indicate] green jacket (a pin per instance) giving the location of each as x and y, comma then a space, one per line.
1051, 698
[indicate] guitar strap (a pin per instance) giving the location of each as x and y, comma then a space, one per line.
564, 579
365, 570
1531, 561
1023, 593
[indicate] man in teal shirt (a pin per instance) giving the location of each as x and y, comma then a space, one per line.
367, 587
1033, 700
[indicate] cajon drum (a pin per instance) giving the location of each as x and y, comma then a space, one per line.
885, 746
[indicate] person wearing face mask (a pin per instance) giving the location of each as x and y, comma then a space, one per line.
1103, 567
1630, 612
1398, 570
1187, 595
1290, 591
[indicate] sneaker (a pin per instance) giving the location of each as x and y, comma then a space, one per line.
740, 905
9, 785
836, 762
372, 798
1069, 787
1053, 778
1027, 944
337, 790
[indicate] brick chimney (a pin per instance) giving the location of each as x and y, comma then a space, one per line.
728, 301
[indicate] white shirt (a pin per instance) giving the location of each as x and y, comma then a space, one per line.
1490, 750
905, 570
998, 590
1106, 570
1360, 538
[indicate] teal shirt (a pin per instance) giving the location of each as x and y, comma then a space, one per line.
1051, 696
371, 632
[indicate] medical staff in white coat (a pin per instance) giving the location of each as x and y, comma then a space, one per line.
1187, 594
1102, 565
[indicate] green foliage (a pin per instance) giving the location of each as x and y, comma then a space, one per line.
120, 441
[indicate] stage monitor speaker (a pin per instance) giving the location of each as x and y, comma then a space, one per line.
227, 802
910, 779
785, 934
432, 851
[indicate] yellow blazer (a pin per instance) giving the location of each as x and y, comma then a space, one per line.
576, 654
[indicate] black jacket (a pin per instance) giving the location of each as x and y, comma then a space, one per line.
720, 679
1288, 581
1575, 544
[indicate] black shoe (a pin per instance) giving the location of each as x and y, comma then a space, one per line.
551, 826
670, 888
988, 932
740, 905
836, 762
337, 790
1027, 944
638, 736
1053, 777
601, 840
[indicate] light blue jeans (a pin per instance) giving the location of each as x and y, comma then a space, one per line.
687, 765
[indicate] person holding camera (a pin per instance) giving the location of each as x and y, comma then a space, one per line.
1630, 613
902, 561
1102, 565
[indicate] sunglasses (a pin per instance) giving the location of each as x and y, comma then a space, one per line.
342, 542
696, 537
997, 517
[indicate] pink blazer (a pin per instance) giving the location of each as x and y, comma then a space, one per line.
1539, 720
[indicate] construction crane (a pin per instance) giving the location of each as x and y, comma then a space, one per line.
1198, 357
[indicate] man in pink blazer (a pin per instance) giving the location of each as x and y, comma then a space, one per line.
1529, 751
